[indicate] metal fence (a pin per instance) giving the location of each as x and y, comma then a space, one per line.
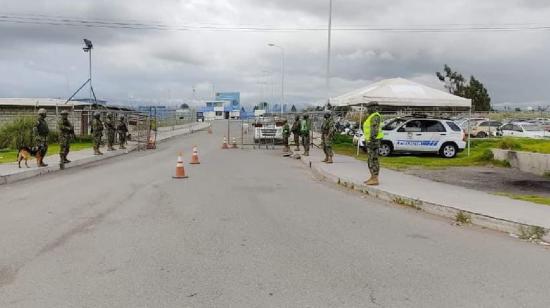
142, 125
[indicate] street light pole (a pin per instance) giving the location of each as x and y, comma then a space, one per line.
282, 75
90, 72
329, 50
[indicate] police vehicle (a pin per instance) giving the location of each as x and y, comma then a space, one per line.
421, 135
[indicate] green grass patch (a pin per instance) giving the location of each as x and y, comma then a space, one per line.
529, 198
10, 156
480, 153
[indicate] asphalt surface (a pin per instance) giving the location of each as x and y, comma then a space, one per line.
248, 228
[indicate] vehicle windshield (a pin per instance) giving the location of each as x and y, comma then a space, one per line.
393, 124
532, 128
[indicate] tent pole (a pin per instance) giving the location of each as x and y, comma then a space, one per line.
361, 126
468, 133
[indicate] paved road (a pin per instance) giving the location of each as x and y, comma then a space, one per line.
247, 229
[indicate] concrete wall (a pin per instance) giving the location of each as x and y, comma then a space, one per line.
525, 161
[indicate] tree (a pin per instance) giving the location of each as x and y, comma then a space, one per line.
293, 109
456, 84
517, 109
475, 91
184, 106
454, 81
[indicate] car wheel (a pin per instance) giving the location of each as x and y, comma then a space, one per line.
385, 149
481, 135
448, 150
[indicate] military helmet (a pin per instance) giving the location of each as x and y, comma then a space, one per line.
109, 115
121, 117
64, 112
306, 116
297, 117
96, 114
41, 111
327, 114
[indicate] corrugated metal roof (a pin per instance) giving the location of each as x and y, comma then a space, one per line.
39, 102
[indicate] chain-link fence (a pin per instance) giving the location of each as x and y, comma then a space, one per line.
142, 125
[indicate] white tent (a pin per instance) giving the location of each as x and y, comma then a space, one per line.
399, 92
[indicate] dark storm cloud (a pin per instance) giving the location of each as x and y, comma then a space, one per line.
147, 65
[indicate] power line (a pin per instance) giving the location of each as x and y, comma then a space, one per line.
113, 24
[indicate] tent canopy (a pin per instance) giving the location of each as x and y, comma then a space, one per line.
399, 92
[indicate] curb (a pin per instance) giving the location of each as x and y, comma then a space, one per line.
11, 178
441, 210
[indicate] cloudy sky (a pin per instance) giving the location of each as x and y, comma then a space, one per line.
186, 44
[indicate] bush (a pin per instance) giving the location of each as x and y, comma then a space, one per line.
487, 155
17, 133
508, 143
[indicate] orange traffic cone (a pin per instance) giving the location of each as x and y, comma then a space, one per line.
224, 146
210, 130
234, 144
180, 170
195, 157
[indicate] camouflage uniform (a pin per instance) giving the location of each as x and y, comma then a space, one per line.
97, 133
111, 131
41, 132
66, 134
373, 146
327, 134
296, 132
122, 132
305, 128
286, 135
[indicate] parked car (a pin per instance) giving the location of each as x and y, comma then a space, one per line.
523, 129
421, 135
463, 123
485, 129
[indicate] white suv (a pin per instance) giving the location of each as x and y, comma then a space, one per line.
422, 135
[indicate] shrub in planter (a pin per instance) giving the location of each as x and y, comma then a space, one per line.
17, 133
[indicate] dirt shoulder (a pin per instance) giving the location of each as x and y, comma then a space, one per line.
488, 179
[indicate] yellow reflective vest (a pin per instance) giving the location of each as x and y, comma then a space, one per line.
367, 126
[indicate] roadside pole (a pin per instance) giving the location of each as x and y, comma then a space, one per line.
468, 133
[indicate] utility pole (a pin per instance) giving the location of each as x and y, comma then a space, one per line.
329, 51
282, 74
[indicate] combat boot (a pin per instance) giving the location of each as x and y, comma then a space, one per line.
373, 181
41, 162
122, 147
110, 148
306, 153
97, 152
326, 159
329, 160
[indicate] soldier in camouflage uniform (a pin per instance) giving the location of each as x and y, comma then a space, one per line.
122, 132
296, 132
305, 128
41, 132
66, 134
286, 135
373, 134
111, 131
97, 132
327, 134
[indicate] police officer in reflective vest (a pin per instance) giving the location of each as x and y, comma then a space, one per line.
372, 130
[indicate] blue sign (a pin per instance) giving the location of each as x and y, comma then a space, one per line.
234, 99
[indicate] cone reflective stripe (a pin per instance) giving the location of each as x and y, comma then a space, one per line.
195, 156
180, 169
234, 144
224, 146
